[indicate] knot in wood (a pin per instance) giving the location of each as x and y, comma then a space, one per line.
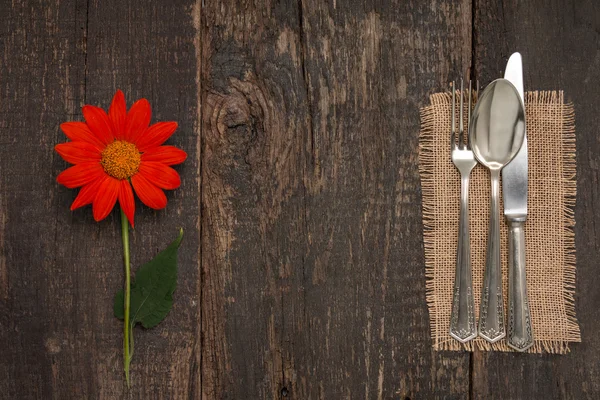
233, 112
240, 120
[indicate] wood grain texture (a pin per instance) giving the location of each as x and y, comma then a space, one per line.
312, 254
560, 47
42, 84
59, 337
301, 271
148, 50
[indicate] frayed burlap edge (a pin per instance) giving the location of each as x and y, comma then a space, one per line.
569, 180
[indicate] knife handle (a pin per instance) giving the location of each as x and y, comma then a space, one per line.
462, 320
520, 333
491, 312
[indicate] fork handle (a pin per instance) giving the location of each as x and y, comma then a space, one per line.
491, 314
520, 333
462, 320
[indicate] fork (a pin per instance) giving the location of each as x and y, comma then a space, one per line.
462, 321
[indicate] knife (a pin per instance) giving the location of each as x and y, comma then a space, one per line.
514, 194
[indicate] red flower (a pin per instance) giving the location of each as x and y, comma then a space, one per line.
112, 150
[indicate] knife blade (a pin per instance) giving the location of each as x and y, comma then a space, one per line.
514, 175
514, 194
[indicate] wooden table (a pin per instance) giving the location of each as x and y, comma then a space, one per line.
301, 273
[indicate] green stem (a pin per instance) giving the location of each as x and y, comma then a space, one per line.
126, 325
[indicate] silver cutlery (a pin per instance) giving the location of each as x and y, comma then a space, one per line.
496, 134
514, 192
462, 320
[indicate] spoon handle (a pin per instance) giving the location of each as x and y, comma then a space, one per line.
491, 314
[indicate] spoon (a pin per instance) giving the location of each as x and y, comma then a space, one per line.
496, 133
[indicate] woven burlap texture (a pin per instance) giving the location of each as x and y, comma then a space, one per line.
550, 242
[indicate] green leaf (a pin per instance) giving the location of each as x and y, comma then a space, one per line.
152, 290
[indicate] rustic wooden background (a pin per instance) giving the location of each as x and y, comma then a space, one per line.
301, 272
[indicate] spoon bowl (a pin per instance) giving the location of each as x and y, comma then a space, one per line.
496, 134
498, 125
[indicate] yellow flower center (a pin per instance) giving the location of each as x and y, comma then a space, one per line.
121, 159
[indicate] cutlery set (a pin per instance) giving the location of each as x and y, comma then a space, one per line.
496, 139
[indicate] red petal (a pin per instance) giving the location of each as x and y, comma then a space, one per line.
160, 175
126, 200
86, 194
79, 131
138, 119
149, 194
78, 152
118, 114
106, 197
168, 155
80, 174
156, 135
99, 123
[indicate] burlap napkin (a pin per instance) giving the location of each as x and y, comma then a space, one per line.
549, 233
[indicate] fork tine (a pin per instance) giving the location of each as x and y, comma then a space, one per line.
452, 136
461, 133
469, 117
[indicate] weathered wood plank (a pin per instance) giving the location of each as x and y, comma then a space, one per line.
312, 253
254, 126
559, 44
148, 49
42, 48
369, 67
59, 337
